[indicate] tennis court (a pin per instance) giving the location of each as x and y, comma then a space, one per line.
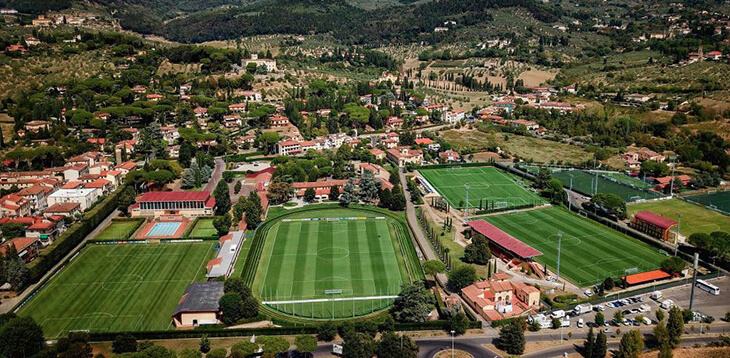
717, 200
585, 183
485, 184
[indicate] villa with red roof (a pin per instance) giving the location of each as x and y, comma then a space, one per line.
653, 225
497, 299
185, 203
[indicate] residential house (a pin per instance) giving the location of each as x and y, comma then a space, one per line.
449, 156
63, 209
496, 300
288, 147
26, 247
14, 205
404, 155
84, 197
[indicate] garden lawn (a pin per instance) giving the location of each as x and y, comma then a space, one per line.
590, 252
485, 183
119, 288
119, 230
694, 217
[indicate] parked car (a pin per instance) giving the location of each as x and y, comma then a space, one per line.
607, 330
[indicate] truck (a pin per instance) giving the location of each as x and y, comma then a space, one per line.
656, 295
565, 322
582, 308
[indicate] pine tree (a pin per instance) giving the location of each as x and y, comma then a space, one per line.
349, 194
588, 344
675, 326
222, 198
601, 347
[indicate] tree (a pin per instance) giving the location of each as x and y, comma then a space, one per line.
673, 264
126, 198
204, 344
326, 332
618, 316
231, 306
186, 154
393, 345
222, 198
349, 194
675, 326
612, 202
359, 345
461, 276
512, 337
386, 198
76, 345
478, 251
543, 177
458, 323
433, 267
244, 349
659, 315
687, 315
661, 336
600, 320
601, 347
309, 195
556, 323
217, 353
334, 193
12, 230
589, 344
368, 187
222, 224
237, 285
397, 200
124, 343
273, 344
253, 210
20, 337
280, 191
306, 343
631, 345
413, 303
555, 191
237, 187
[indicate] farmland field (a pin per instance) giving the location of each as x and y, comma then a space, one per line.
119, 288
583, 182
694, 219
345, 254
119, 230
484, 183
590, 252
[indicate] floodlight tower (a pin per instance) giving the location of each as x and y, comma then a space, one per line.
671, 182
676, 237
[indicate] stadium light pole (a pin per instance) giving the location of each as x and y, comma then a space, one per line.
452, 343
570, 206
466, 210
560, 238
671, 182
676, 238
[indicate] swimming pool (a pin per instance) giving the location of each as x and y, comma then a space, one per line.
163, 229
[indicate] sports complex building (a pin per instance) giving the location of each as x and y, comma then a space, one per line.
504, 245
183, 203
654, 225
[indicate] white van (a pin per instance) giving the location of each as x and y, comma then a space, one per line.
667, 304
656, 295
558, 314
580, 323
647, 321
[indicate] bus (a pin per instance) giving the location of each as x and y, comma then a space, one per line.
702, 284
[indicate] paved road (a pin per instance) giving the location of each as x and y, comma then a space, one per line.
613, 345
8, 304
220, 166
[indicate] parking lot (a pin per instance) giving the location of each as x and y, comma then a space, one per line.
704, 302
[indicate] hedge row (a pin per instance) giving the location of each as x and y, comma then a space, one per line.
241, 157
73, 236
506, 208
464, 165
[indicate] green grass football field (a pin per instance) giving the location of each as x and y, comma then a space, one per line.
119, 230
306, 257
114, 288
719, 200
590, 252
694, 217
583, 181
203, 228
484, 183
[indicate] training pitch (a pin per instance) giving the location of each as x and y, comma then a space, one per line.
312, 259
590, 252
625, 187
119, 288
694, 217
119, 230
484, 183
717, 200
204, 228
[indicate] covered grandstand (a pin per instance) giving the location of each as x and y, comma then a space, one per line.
502, 243
653, 225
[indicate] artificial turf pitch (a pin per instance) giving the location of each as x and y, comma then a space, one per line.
318, 258
583, 183
119, 288
694, 219
719, 200
484, 183
590, 252
119, 230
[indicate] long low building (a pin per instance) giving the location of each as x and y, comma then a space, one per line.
229, 246
184, 203
199, 305
654, 225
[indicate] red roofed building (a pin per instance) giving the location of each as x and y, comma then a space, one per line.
404, 155
652, 224
502, 243
646, 277
27, 247
495, 300
185, 203
14, 205
449, 156
424, 141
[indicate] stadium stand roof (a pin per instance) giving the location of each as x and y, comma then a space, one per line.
655, 219
644, 277
158, 196
200, 297
503, 239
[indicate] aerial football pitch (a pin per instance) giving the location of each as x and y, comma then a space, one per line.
694, 219
485, 183
584, 182
329, 264
589, 252
717, 200
118, 288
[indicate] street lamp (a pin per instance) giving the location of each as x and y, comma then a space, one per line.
671, 182
452, 343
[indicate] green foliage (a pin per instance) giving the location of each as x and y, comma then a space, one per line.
433, 267
601, 347
124, 343
512, 337
589, 343
244, 349
393, 345
273, 344
20, 337
222, 198
478, 251
231, 306
611, 202
222, 224
217, 353
191, 353
204, 344
673, 264
413, 303
326, 332
631, 345
600, 319
675, 326
305, 343
458, 323
359, 345
461, 276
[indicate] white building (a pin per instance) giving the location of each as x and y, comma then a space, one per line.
84, 197
269, 63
